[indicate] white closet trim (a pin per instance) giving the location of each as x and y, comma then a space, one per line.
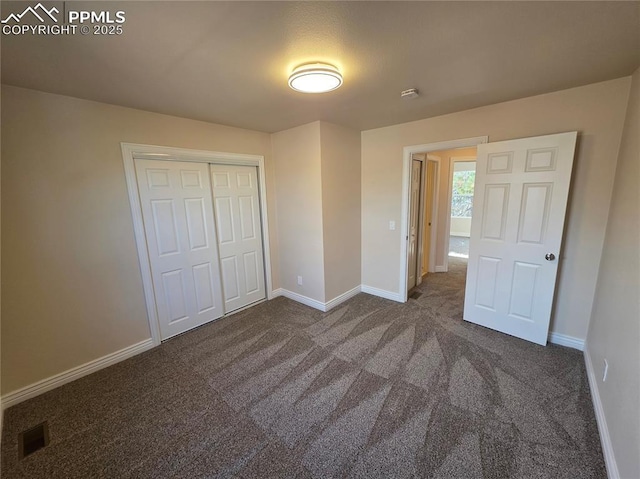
131, 151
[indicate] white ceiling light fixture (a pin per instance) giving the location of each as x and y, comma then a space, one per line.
315, 78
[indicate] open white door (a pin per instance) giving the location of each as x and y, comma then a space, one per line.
520, 201
414, 225
178, 220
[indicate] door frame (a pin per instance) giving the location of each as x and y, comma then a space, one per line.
132, 151
452, 161
407, 157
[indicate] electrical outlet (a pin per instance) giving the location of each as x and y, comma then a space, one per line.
606, 370
392, 225
299, 280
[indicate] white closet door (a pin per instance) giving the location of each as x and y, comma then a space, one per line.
237, 210
179, 226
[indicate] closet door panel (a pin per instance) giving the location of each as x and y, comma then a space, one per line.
178, 217
237, 209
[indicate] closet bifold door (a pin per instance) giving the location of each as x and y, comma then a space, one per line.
238, 226
179, 225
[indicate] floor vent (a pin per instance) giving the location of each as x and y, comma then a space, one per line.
415, 295
33, 439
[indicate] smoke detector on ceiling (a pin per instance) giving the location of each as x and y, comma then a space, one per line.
410, 93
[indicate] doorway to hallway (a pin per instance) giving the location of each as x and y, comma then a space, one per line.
461, 185
427, 192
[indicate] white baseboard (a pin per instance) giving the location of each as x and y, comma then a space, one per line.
568, 341
605, 439
441, 269
314, 303
382, 293
341, 298
35, 389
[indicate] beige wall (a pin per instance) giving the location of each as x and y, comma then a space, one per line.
318, 204
340, 152
595, 111
614, 332
299, 203
460, 226
71, 285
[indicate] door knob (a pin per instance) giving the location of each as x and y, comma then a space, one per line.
549, 256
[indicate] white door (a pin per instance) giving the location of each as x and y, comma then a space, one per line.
519, 207
429, 196
414, 216
237, 210
178, 219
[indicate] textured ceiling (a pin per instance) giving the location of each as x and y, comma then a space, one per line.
228, 62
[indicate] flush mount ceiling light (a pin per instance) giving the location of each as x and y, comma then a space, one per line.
315, 78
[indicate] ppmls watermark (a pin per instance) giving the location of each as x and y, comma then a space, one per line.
37, 20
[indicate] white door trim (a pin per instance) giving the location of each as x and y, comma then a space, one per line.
447, 244
130, 151
408, 152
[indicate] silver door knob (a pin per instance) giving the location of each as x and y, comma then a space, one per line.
549, 256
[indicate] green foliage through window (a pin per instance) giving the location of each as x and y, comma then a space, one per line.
463, 182
462, 194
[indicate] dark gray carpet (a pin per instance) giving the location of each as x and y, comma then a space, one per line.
371, 389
